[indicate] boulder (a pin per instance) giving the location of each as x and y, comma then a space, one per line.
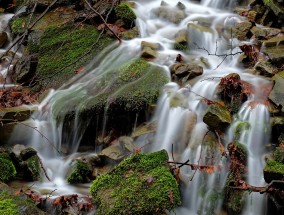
3, 38
81, 173
171, 14
265, 68
217, 117
14, 202
16, 113
264, 32
273, 170
148, 53
181, 40
277, 93
25, 70
141, 184
183, 72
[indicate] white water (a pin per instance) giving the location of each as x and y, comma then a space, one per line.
180, 126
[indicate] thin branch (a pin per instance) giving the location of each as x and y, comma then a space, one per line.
34, 128
45, 173
96, 12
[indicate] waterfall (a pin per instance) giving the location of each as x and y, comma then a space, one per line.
179, 113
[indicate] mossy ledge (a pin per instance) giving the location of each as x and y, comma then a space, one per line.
141, 184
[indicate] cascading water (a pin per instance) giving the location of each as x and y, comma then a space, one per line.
179, 114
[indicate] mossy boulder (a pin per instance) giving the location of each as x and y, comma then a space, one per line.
80, 174
217, 117
278, 154
141, 184
273, 170
7, 169
32, 167
125, 12
16, 204
61, 50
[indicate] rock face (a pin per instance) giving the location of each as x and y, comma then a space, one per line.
141, 184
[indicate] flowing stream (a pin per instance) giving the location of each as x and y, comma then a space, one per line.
180, 129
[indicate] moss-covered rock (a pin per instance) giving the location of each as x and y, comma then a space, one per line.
141, 184
7, 169
217, 117
278, 154
80, 174
273, 170
61, 50
124, 12
33, 168
11, 204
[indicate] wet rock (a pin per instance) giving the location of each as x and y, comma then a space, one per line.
241, 30
32, 168
25, 70
3, 38
276, 7
273, 170
7, 169
274, 41
154, 46
171, 14
19, 203
263, 32
125, 12
113, 153
277, 127
181, 40
182, 72
26, 153
275, 54
265, 68
148, 53
217, 117
126, 143
16, 113
277, 93
144, 129
233, 91
81, 173
130, 34
146, 194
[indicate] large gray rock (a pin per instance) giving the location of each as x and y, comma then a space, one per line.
171, 14
277, 93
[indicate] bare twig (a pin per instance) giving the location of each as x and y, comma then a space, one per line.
45, 173
101, 17
34, 128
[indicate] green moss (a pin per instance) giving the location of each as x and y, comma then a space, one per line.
279, 154
8, 207
18, 25
62, 46
33, 165
11, 204
274, 167
141, 184
80, 173
132, 86
7, 170
124, 11
181, 46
